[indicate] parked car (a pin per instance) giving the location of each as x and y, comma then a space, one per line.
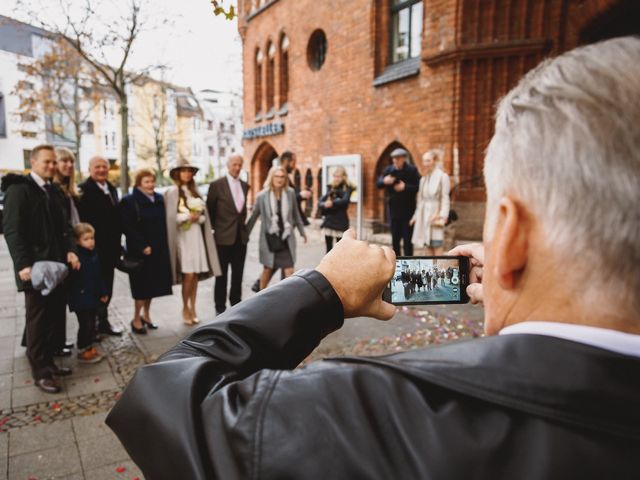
1, 208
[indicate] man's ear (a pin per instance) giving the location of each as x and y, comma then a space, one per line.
511, 242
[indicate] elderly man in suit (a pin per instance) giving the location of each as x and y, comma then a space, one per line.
551, 393
99, 207
227, 205
37, 228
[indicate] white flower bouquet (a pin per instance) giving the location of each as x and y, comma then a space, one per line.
193, 205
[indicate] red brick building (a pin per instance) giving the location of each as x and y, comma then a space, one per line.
329, 77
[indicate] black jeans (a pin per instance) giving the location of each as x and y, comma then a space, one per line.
102, 311
328, 240
233, 255
41, 315
400, 230
87, 327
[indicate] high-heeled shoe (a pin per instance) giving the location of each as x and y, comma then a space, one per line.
194, 317
187, 318
139, 331
148, 324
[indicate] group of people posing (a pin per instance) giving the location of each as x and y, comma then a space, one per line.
424, 280
174, 238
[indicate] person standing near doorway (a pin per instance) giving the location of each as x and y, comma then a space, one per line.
400, 181
227, 205
99, 207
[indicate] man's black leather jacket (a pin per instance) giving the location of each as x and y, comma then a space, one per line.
226, 403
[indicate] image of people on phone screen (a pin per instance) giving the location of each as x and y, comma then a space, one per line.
426, 280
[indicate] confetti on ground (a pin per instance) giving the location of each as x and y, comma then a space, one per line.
121, 469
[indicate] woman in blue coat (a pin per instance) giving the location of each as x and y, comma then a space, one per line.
145, 227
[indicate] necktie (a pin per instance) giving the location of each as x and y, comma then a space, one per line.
238, 197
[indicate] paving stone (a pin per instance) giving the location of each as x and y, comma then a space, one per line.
21, 363
5, 399
115, 471
90, 426
6, 365
22, 378
82, 369
158, 346
102, 450
51, 463
32, 394
7, 325
4, 456
82, 385
5, 381
6, 346
40, 437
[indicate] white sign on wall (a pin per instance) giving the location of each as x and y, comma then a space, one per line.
353, 165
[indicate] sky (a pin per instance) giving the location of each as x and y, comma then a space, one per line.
202, 51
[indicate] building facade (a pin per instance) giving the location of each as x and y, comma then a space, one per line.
367, 76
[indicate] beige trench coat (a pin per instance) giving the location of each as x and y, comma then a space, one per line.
171, 197
432, 199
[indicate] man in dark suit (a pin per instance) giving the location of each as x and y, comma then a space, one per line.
36, 228
227, 205
401, 181
99, 207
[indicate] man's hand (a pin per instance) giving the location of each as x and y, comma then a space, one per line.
104, 298
25, 274
400, 186
359, 272
304, 238
388, 180
328, 204
72, 259
475, 252
412, 222
146, 251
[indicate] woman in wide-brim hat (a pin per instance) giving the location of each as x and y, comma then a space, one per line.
192, 250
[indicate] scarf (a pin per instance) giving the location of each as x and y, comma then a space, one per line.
273, 204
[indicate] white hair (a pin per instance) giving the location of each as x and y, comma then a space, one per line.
567, 143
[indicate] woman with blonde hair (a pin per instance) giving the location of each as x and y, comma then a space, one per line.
432, 208
334, 205
65, 177
277, 206
192, 251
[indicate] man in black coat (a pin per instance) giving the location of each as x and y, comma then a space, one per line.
227, 205
99, 207
400, 181
552, 393
36, 228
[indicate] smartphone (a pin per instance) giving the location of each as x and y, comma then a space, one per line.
428, 281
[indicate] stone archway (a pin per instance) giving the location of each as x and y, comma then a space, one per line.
260, 164
380, 204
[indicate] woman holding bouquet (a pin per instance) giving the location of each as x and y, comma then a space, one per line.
191, 248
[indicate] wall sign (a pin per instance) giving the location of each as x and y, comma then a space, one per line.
275, 128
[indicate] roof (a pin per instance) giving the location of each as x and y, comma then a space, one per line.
15, 36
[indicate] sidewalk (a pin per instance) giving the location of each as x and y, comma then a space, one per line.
63, 436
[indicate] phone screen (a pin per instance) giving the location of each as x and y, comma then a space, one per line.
428, 280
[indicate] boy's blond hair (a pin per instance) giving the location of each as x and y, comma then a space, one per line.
81, 228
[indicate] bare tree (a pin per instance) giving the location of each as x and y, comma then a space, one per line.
61, 87
105, 41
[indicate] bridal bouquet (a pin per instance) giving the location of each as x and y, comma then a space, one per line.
193, 205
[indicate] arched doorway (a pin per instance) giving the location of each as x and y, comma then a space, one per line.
620, 19
260, 165
380, 204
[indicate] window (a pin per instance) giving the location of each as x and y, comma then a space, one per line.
284, 70
211, 151
26, 157
271, 66
3, 121
106, 141
222, 126
209, 125
28, 117
196, 123
317, 50
89, 127
223, 151
232, 129
28, 134
113, 139
258, 83
406, 29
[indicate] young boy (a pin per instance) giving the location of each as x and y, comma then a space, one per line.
86, 291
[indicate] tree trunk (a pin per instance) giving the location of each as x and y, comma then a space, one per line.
77, 123
124, 143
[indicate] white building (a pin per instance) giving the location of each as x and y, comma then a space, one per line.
222, 127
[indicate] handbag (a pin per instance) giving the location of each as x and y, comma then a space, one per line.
128, 263
275, 242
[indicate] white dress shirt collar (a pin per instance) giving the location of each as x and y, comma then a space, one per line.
103, 186
605, 338
39, 180
231, 180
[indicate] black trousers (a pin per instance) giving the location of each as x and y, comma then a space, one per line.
400, 230
41, 315
234, 256
87, 327
59, 337
102, 312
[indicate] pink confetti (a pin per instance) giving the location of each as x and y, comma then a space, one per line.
96, 380
121, 469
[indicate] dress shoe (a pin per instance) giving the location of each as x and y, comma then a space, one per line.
110, 330
61, 371
48, 385
151, 325
256, 286
139, 331
63, 352
69, 346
